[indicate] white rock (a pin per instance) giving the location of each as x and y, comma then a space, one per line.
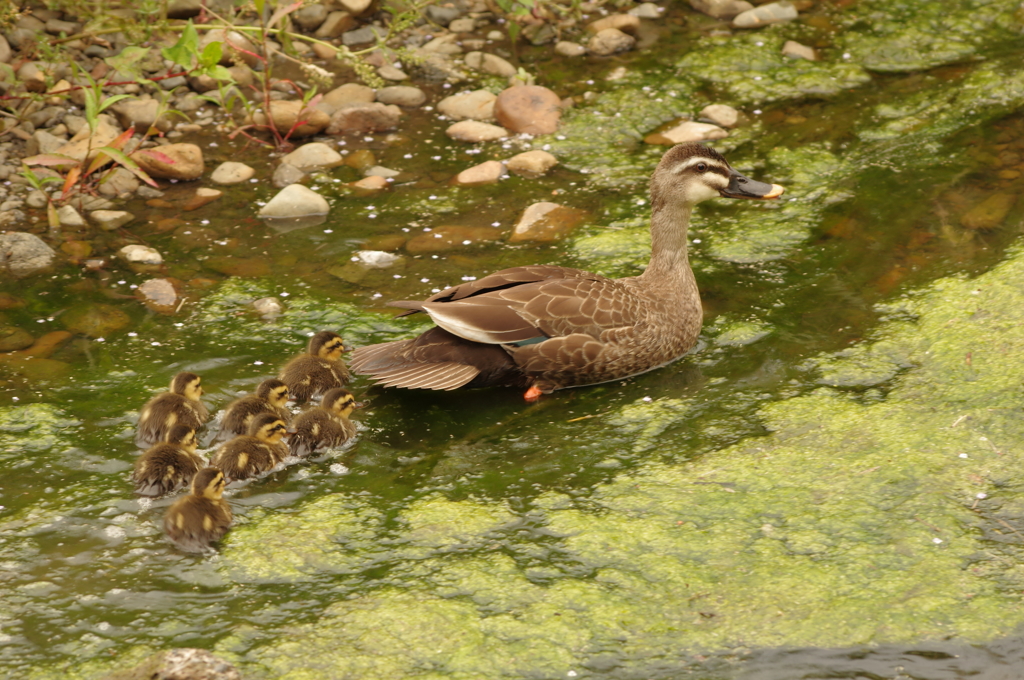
313, 156
402, 95
610, 41
475, 131
69, 217
140, 255
531, 163
110, 220
569, 49
721, 9
772, 13
295, 201
381, 171
268, 307
476, 105
377, 259
231, 172
693, 132
23, 254
647, 10
797, 51
720, 114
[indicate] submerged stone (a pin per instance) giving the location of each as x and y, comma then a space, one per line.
546, 222
989, 213
95, 320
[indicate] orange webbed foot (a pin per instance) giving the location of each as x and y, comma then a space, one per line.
532, 394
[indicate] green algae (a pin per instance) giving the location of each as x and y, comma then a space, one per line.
30, 429
738, 333
750, 68
646, 419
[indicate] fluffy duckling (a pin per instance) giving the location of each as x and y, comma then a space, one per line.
249, 455
318, 370
180, 406
271, 397
170, 465
201, 517
324, 426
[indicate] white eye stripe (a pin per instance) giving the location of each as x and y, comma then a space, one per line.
690, 162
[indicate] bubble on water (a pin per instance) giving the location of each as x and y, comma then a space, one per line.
338, 469
115, 532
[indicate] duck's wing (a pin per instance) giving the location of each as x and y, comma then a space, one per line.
533, 312
503, 280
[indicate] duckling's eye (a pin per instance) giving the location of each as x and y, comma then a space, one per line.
702, 167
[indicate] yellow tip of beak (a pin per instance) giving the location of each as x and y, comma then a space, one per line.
776, 191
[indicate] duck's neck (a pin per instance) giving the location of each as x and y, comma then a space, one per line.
669, 262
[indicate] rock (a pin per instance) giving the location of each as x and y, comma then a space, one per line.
627, 23
294, 118
610, 41
80, 144
349, 94
381, 171
721, 115
462, 25
136, 254
119, 182
160, 295
488, 172
361, 36
532, 109
13, 338
8, 301
142, 114
444, 44
569, 49
433, 68
109, 220
546, 222
5, 51
286, 175
490, 63
373, 183
43, 142
232, 44
24, 254
95, 320
647, 10
313, 156
295, 201
443, 14
355, 7
21, 38
375, 117
335, 24
475, 131
686, 132
540, 34
202, 197
46, 345
795, 50
402, 95
310, 17
988, 214
772, 13
476, 105
77, 251
36, 199
171, 161
269, 307
377, 259
69, 217
180, 664
389, 72
231, 172
721, 9
531, 163
445, 238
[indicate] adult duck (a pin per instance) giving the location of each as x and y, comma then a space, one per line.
547, 327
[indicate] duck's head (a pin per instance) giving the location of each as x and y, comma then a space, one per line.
209, 483
326, 345
339, 401
274, 391
691, 173
267, 427
184, 436
188, 385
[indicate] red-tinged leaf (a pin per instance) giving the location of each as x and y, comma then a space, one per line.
53, 159
313, 101
122, 139
69, 181
51, 215
131, 165
281, 12
157, 156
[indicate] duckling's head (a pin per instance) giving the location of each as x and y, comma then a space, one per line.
326, 345
267, 427
184, 436
274, 391
339, 401
691, 173
209, 483
188, 385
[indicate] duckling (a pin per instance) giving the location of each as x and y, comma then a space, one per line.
170, 465
324, 426
248, 455
318, 370
180, 406
201, 517
271, 397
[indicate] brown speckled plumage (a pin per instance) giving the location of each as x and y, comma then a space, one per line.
319, 369
169, 465
271, 396
180, 406
553, 327
253, 454
201, 517
324, 426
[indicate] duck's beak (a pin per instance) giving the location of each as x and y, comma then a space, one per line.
743, 187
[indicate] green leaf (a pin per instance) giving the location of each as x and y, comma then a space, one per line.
211, 55
110, 101
127, 63
129, 164
186, 49
260, 6
220, 73
50, 159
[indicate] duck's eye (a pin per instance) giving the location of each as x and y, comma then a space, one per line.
702, 167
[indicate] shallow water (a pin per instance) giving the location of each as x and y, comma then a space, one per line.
468, 531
